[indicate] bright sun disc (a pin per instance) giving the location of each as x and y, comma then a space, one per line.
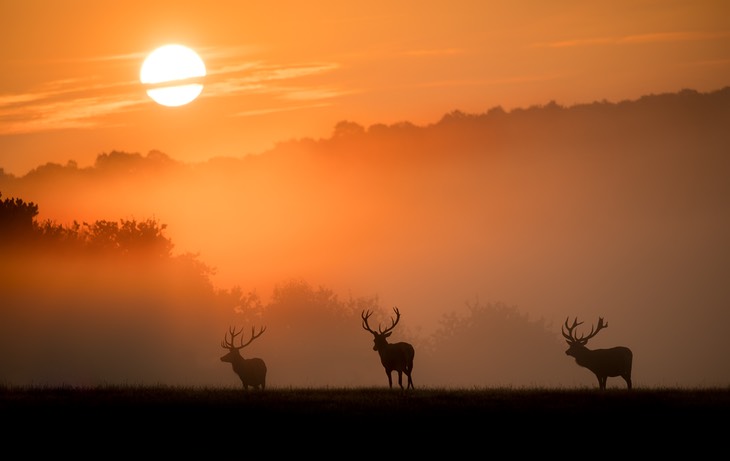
172, 72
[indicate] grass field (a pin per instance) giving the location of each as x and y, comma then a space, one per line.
662, 418
371, 402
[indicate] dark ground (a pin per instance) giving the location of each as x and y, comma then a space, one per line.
552, 422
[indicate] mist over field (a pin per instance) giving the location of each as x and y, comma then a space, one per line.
486, 230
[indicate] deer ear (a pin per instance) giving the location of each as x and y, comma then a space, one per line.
388, 334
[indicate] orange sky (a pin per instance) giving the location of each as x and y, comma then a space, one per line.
279, 70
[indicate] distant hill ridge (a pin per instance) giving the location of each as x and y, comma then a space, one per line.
538, 123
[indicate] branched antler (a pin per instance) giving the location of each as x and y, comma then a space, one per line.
572, 338
366, 315
226, 344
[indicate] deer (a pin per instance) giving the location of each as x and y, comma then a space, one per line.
394, 357
604, 363
251, 371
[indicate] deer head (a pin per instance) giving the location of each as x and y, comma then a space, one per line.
380, 337
575, 342
233, 350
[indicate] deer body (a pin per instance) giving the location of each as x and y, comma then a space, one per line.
252, 372
604, 363
396, 357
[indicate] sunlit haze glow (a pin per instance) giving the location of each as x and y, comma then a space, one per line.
489, 168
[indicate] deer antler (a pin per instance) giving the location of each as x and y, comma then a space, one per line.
253, 336
569, 336
583, 339
365, 316
393, 323
226, 344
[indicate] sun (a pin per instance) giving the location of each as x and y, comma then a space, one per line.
173, 75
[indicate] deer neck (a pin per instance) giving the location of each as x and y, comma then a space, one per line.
383, 349
237, 361
582, 355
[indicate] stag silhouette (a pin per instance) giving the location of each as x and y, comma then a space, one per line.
394, 357
251, 371
604, 363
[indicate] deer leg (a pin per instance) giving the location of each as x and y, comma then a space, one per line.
627, 378
409, 370
390, 378
400, 379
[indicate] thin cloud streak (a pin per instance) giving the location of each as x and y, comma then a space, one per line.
274, 110
76, 114
490, 82
662, 37
435, 52
710, 63
65, 104
284, 73
231, 69
309, 94
77, 104
138, 56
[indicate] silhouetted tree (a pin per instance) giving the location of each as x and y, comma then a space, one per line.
493, 345
346, 128
16, 219
129, 237
52, 233
113, 301
314, 338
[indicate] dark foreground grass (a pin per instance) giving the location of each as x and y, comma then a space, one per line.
369, 402
521, 419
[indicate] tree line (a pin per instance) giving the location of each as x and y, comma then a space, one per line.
110, 302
